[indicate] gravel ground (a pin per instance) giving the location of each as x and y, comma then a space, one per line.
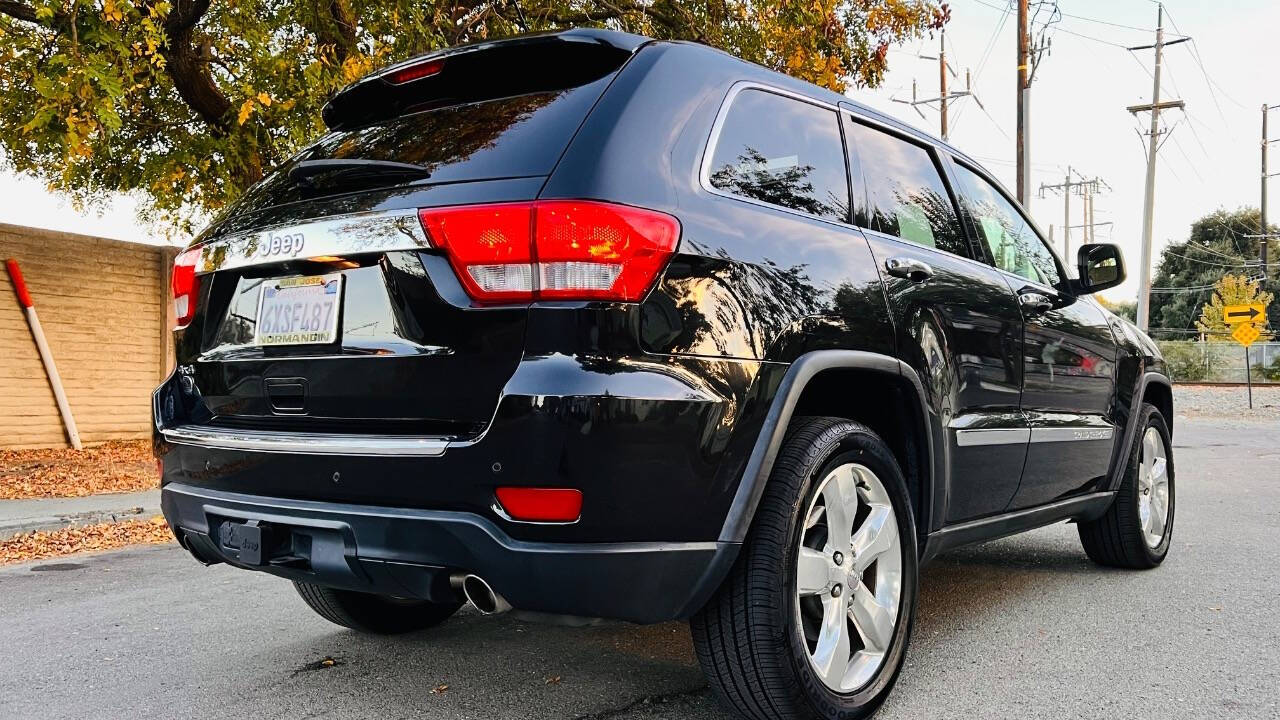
1227, 403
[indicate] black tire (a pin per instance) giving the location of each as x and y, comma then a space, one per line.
1116, 539
746, 637
375, 614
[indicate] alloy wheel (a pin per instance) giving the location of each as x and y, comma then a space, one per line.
849, 577
1153, 487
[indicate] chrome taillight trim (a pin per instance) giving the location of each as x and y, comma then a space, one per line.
303, 443
338, 235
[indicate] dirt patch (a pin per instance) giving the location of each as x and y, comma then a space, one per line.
84, 538
121, 466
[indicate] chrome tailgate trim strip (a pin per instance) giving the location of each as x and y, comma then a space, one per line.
336, 236
306, 443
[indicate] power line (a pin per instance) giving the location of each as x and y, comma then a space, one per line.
1107, 22
1239, 265
986, 55
1195, 52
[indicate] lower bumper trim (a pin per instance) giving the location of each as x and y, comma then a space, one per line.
397, 551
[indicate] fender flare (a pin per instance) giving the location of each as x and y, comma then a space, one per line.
759, 464
1120, 455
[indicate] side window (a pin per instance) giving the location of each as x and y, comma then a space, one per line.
1013, 243
784, 152
905, 195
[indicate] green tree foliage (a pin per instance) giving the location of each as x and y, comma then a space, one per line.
1217, 245
1127, 310
188, 102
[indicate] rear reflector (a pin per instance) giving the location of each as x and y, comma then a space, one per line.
541, 504
553, 249
186, 287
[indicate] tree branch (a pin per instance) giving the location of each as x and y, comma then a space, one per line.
189, 70
18, 11
336, 26
26, 13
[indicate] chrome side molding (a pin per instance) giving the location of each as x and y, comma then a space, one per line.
1071, 434
336, 236
1015, 436
305, 443
993, 436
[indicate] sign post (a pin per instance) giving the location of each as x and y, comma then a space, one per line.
1246, 318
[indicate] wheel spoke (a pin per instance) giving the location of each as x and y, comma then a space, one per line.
1157, 520
1148, 458
811, 572
873, 620
1158, 470
831, 656
878, 534
814, 516
840, 495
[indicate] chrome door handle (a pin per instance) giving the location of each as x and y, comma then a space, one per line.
1034, 302
908, 269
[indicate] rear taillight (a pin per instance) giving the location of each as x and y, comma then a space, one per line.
553, 249
185, 288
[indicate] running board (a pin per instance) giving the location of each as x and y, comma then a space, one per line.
1085, 507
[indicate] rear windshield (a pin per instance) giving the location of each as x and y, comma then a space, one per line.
508, 137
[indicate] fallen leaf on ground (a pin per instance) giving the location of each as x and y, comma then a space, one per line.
439, 689
553, 680
39, 544
118, 466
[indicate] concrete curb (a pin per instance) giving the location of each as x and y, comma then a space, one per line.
21, 516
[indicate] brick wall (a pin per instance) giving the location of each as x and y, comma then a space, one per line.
103, 305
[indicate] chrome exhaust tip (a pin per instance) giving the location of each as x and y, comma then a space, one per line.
482, 596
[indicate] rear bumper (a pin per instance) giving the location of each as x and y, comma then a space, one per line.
412, 552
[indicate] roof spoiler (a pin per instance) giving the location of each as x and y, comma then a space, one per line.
515, 65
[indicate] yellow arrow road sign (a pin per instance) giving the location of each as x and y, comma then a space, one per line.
1251, 313
1246, 334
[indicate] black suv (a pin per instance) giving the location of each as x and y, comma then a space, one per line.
585, 324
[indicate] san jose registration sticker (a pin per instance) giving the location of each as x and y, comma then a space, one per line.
299, 310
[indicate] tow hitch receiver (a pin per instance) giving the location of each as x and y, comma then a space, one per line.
245, 538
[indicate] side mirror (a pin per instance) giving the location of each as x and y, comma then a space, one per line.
1100, 266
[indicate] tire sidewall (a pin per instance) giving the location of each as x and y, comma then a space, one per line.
1151, 418
845, 443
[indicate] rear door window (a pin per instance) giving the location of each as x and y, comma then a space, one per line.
1012, 242
782, 151
905, 195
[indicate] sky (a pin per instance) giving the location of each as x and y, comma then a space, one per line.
1078, 118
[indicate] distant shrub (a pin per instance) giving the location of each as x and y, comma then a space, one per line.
1184, 360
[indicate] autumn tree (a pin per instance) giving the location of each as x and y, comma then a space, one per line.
1231, 290
188, 102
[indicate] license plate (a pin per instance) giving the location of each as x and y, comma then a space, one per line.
299, 310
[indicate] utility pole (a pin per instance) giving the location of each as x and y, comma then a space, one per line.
1089, 236
1029, 53
1085, 188
1265, 235
1264, 230
945, 96
1149, 202
1024, 105
942, 79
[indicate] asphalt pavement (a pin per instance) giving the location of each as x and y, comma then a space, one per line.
1024, 627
